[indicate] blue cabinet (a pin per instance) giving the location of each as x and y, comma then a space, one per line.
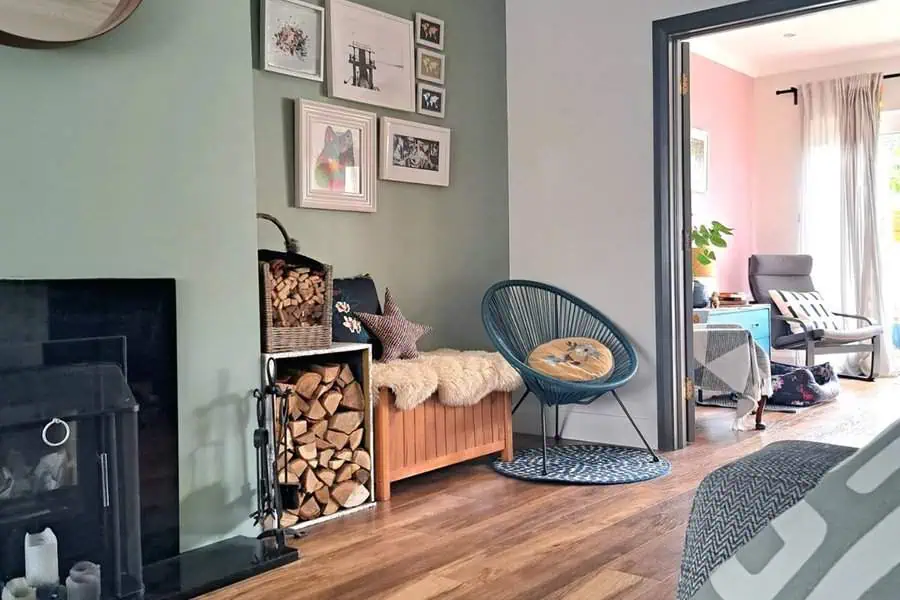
755, 318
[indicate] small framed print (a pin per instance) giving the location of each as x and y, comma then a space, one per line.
430, 66
429, 31
414, 152
431, 100
293, 38
335, 154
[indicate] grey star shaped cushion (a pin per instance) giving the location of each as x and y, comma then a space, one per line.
397, 334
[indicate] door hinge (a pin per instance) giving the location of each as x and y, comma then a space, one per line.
688, 389
685, 84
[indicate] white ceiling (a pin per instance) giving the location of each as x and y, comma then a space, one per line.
865, 31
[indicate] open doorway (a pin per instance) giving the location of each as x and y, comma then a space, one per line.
674, 147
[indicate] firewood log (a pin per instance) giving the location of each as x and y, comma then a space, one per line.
323, 444
326, 455
307, 383
344, 455
354, 468
356, 438
288, 478
283, 459
319, 428
362, 458
344, 473
338, 439
328, 372
331, 401
310, 509
316, 411
353, 397
323, 496
297, 466
308, 451
345, 422
311, 483
336, 464
348, 494
331, 508
362, 476
345, 377
297, 428
288, 519
314, 463
322, 390
307, 438
326, 476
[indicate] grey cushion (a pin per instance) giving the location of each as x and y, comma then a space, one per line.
828, 336
779, 272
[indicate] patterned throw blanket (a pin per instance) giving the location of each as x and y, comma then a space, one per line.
727, 360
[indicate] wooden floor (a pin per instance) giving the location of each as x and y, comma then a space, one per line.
466, 532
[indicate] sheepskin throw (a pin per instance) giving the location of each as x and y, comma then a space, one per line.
459, 378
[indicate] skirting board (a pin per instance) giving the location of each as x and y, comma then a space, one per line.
583, 424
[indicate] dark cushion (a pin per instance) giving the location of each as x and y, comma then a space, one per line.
351, 296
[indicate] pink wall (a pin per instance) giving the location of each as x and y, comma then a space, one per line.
722, 105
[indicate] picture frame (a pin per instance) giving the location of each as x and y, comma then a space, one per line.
429, 31
414, 152
370, 56
335, 155
699, 161
292, 38
430, 66
431, 100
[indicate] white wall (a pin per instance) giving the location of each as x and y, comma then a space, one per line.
579, 77
776, 180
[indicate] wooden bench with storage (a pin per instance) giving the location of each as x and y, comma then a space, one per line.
433, 435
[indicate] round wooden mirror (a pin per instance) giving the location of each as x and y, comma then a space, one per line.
52, 23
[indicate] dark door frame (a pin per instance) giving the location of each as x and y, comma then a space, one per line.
669, 228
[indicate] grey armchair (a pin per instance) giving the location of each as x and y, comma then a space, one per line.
793, 272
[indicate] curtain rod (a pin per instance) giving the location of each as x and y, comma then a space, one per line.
795, 91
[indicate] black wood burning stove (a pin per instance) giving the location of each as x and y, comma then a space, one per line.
69, 461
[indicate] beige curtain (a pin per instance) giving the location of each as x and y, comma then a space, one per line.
839, 220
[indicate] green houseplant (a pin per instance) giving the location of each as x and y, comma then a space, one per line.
707, 237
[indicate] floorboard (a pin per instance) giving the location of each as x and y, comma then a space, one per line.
466, 532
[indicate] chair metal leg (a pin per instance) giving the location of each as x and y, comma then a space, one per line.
521, 400
810, 353
633, 424
557, 437
544, 437
875, 341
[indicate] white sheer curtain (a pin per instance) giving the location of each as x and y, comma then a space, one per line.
839, 221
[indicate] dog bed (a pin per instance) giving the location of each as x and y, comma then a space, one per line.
803, 386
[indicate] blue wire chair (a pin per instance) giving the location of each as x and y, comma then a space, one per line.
520, 315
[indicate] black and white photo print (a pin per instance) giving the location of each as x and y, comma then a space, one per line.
414, 152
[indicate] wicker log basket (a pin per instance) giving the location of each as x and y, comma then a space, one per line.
296, 298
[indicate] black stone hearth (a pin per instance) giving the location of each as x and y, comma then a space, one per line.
127, 327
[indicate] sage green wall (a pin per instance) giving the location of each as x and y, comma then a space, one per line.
438, 249
132, 156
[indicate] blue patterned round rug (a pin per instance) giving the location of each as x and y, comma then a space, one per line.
584, 464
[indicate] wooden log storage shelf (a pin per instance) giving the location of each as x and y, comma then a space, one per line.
433, 436
322, 453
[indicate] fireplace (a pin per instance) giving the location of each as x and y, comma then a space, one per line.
95, 359
74, 329
68, 462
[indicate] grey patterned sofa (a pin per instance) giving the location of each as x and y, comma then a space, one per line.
735, 502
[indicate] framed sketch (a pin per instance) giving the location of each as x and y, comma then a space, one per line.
429, 31
335, 155
370, 56
414, 152
699, 161
293, 38
430, 66
431, 100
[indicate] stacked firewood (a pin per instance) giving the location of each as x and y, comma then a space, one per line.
298, 295
324, 465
